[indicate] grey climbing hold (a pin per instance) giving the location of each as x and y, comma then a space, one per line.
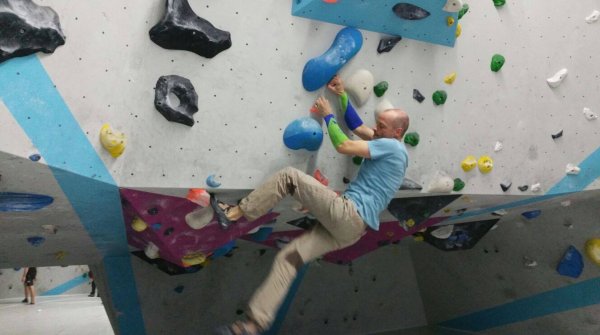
557, 135
409, 184
27, 28
589, 115
183, 89
505, 185
387, 44
182, 29
409, 11
418, 96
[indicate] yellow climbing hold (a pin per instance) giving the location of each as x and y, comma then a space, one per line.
194, 258
410, 223
419, 238
138, 225
486, 164
450, 21
389, 234
458, 30
449, 79
113, 142
468, 163
59, 255
592, 249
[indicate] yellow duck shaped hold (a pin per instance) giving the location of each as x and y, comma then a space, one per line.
113, 142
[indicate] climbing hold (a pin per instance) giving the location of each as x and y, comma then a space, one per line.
505, 185
440, 183
529, 262
485, 163
262, 234
412, 139
50, 228
224, 250
383, 106
169, 88
23, 202
36, 241
151, 250
449, 79
409, 11
345, 180
572, 169
387, 44
409, 184
531, 214
557, 78
319, 71
380, 88
321, 177
589, 114
463, 11
138, 224
571, 264
303, 133
592, 249
182, 29
156, 226
453, 6
153, 211
169, 231
498, 146
27, 29
497, 62
212, 182
194, 258
443, 232
469, 163
439, 97
458, 30
178, 289
418, 96
199, 196
593, 17
523, 188
458, 185
557, 135
536, 187
60, 255
565, 203
359, 86
499, 3
500, 212
410, 223
35, 157
113, 142
200, 217
449, 21
357, 160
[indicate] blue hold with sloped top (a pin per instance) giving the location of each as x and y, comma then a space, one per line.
571, 264
23, 202
303, 133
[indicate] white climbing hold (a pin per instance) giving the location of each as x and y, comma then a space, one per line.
383, 106
255, 230
440, 183
557, 78
151, 250
360, 85
565, 203
528, 262
593, 17
572, 169
498, 146
443, 232
200, 217
453, 6
536, 187
589, 114
500, 212
494, 227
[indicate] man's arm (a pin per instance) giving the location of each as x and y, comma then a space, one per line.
353, 121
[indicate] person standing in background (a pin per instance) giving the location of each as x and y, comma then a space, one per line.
28, 279
91, 275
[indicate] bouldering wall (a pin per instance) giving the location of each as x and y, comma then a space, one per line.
49, 281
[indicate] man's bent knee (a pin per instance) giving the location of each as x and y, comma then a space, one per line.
295, 259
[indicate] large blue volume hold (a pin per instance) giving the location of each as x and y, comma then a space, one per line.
319, 71
23, 202
571, 264
303, 133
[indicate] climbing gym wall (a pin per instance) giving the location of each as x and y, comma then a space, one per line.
52, 280
115, 137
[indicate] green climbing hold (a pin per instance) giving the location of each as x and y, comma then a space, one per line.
439, 97
357, 160
499, 3
380, 88
411, 139
497, 62
463, 11
458, 185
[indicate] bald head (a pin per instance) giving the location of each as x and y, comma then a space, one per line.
396, 119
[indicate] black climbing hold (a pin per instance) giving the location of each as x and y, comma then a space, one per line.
418, 96
387, 44
262, 252
409, 11
178, 289
505, 185
346, 180
523, 188
169, 231
153, 211
557, 135
27, 28
183, 89
182, 29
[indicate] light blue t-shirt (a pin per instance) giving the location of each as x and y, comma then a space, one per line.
378, 179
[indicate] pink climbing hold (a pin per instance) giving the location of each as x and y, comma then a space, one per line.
321, 178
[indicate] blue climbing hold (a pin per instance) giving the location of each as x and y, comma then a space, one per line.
36, 241
23, 202
303, 133
212, 182
571, 264
156, 226
319, 71
262, 234
531, 214
224, 250
179, 288
35, 157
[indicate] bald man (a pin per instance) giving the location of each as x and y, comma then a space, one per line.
342, 219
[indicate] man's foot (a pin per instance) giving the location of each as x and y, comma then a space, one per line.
32, 303
91, 295
221, 210
239, 328
25, 300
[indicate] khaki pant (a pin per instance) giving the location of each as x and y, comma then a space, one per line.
340, 226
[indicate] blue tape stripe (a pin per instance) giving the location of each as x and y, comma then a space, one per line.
67, 286
578, 295
287, 303
30, 95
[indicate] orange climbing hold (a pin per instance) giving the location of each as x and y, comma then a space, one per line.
321, 178
199, 196
330, 1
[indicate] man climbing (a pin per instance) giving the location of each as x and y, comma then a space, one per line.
342, 218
